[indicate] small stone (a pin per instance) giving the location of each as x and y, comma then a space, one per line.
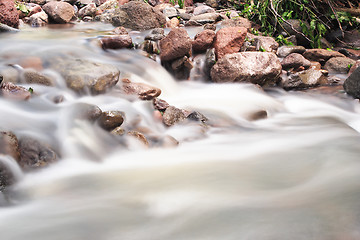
160, 104
156, 34
89, 10
139, 136
109, 120
116, 42
283, 51
12, 91
352, 84
33, 77
321, 55
267, 44
9, 145
197, 116
173, 115
203, 9
173, 23
39, 19
142, 90
295, 60
119, 131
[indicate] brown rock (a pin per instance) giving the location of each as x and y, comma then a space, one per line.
339, 64
39, 19
229, 40
261, 68
116, 42
295, 60
110, 120
173, 23
139, 136
160, 104
175, 45
31, 62
59, 12
9, 145
32, 76
321, 55
12, 91
8, 13
142, 90
203, 40
88, 10
173, 115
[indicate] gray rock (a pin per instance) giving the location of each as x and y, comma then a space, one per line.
283, 51
203, 9
210, 60
206, 18
339, 64
39, 19
170, 12
303, 79
261, 68
267, 44
156, 34
34, 154
59, 12
295, 60
352, 84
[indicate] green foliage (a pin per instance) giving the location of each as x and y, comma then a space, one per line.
181, 3
21, 6
282, 40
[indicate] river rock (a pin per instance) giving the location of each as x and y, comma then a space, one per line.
88, 10
237, 22
203, 40
39, 19
339, 64
151, 47
35, 154
283, 51
12, 91
201, 9
142, 90
116, 42
85, 111
139, 136
267, 44
33, 77
175, 45
352, 84
210, 60
295, 60
9, 14
110, 120
173, 23
229, 40
170, 12
173, 115
180, 67
59, 12
303, 79
6, 177
135, 15
81, 75
261, 68
321, 55
156, 34
160, 104
205, 18
9, 145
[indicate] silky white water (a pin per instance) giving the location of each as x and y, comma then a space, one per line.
294, 175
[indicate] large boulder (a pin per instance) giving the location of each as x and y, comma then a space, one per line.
229, 40
339, 64
8, 13
59, 12
83, 75
135, 15
175, 45
352, 84
261, 68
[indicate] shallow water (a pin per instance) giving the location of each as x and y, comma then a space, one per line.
294, 175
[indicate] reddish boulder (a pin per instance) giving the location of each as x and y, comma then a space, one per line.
203, 40
9, 14
229, 40
175, 45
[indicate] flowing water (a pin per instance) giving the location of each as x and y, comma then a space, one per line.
294, 175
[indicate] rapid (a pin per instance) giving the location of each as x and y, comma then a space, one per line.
293, 175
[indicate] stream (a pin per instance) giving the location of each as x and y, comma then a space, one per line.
293, 175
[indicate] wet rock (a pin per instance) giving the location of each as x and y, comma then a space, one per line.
139, 136
339, 64
35, 154
262, 114
156, 34
109, 120
85, 111
352, 84
119, 131
34, 77
209, 26
237, 22
32, 62
321, 55
59, 12
9, 14
39, 19
151, 47
9, 145
261, 68
175, 45
210, 60
116, 42
6, 28
205, 18
7, 178
229, 40
197, 116
81, 75
142, 90
173, 115
173, 23
160, 104
12, 91
203, 40
137, 15
267, 44
283, 51
180, 67
88, 10
295, 60
203, 9
304, 79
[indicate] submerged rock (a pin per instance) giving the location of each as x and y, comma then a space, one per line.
229, 40
352, 84
12, 91
6, 176
9, 145
173, 115
35, 154
116, 42
261, 68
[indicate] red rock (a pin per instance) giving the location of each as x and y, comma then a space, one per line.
175, 45
59, 12
34, 10
229, 40
116, 42
9, 14
203, 40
